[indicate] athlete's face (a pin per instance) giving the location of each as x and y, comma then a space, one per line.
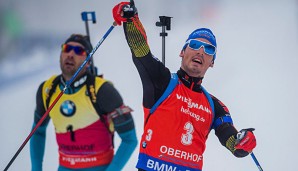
71, 61
196, 62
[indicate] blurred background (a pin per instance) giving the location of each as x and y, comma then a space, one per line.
255, 73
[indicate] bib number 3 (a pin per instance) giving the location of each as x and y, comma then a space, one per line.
149, 134
186, 138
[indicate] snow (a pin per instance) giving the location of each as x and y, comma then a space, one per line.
255, 73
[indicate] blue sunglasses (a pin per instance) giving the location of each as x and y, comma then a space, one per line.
77, 49
195, 44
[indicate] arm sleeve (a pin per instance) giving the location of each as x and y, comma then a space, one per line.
37, 141
224, 129
223, 123
110, 100
154, 75
126, 148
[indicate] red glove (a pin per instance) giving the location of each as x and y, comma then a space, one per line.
124, 11
246, 140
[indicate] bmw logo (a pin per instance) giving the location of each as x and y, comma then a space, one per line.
144, 144
68, 108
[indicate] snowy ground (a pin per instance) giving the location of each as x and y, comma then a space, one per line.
255, 74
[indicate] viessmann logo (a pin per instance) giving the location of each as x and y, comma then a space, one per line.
192, 104
74, 160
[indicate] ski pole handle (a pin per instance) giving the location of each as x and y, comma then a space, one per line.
256, 161
85, 18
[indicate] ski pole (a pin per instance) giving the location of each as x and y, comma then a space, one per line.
68, 83
86, 19
240, 135
256, 161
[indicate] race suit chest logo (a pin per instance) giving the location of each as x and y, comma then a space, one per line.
68, 108
191, 104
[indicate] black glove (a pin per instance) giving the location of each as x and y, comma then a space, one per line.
129, 10
124, 11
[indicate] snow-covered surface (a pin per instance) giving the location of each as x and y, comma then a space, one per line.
255, 73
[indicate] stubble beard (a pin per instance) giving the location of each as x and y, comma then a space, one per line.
193, 71
68, 72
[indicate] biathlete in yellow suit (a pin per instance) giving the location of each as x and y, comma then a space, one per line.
85, 117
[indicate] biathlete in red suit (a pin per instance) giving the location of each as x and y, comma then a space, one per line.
175, 133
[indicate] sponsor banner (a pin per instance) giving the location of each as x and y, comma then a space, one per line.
153, 164
85, 161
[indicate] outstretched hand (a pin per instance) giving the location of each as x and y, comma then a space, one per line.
124, 11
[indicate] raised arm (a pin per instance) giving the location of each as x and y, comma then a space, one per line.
154, 75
